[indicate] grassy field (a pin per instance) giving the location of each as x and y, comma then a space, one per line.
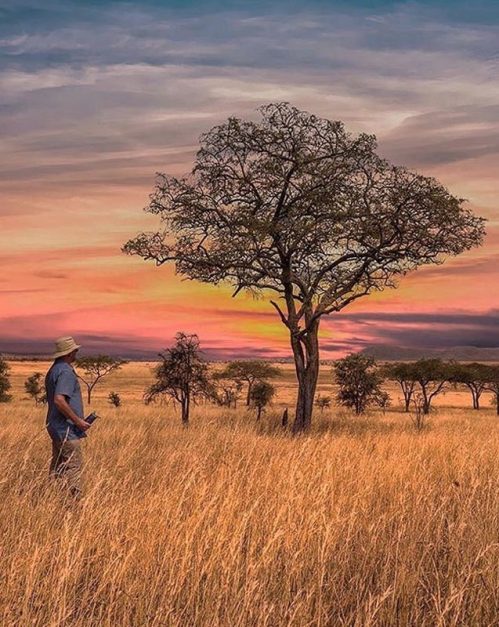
363, 522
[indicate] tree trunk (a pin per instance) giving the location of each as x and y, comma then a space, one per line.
426, 404
306, 355
248, 395
89, 394
408, 392
305, 401
185, 410
284, 419
258, 412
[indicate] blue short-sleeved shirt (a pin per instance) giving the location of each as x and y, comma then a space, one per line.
62, 379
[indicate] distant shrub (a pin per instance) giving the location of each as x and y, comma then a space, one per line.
114, 399
5, 385
383, 400
35, 388
262, 393
323, 402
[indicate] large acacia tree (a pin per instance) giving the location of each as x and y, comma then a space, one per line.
295, 207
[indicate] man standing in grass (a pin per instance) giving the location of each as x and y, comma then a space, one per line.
65, 423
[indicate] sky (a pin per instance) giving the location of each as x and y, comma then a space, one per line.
96, 97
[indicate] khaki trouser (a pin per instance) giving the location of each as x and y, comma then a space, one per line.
66, 463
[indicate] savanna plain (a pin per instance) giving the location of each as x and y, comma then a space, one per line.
234, 522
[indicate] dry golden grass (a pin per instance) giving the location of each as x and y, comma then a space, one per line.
364, 522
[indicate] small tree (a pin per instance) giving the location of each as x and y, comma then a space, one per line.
226, 391
432, 377
359, 381
295, 207
474, 376
419, 417
492, 384
114, 399
95, 368
323, 402
182, 375
262, 393
35, 389
383, 400
403, 374
5, 384
249, 371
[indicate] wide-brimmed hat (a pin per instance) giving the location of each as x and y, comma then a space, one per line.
64, 346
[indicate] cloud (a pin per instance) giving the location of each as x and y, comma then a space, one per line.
479, 266
96, 97
417, 329
444, 136
50, 274
131, 76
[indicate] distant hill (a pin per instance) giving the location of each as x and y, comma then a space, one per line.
380, 352
384, 352
44, 357
25, 357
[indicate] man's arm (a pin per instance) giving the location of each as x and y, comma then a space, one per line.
64, 407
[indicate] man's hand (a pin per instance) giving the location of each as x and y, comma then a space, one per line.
64, 407
83, 425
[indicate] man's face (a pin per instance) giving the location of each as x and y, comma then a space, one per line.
72, 356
